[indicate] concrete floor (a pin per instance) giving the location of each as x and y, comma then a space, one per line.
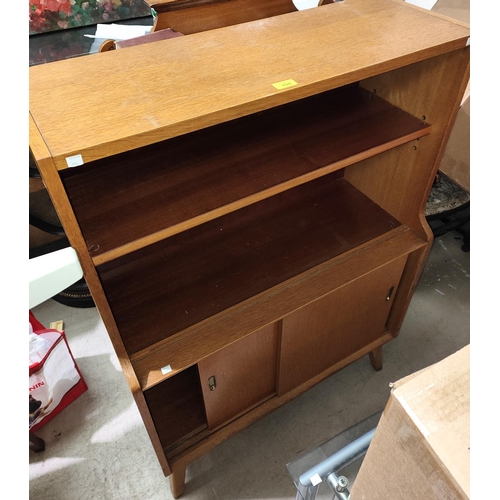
98, 448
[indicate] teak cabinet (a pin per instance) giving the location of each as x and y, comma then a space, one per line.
247, 203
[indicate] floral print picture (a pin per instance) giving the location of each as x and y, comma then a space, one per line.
51, 15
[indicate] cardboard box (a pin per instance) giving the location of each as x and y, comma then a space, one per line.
421, 447
456, 9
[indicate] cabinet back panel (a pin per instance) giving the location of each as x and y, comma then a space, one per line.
132, 195
181, 281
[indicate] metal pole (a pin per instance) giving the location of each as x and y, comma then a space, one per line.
341, 458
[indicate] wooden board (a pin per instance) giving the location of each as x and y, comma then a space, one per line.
177, 407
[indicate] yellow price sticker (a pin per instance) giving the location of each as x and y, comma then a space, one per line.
284, 84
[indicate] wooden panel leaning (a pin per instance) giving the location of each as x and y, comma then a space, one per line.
193, 16
249, 182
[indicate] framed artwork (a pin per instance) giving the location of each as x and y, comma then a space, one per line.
53, 15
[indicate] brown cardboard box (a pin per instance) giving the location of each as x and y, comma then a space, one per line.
421, 447
456, 9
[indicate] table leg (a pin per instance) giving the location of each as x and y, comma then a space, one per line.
177, 481
376, 358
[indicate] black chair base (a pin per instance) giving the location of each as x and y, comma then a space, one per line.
448, 209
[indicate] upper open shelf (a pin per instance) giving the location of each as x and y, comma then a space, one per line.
137, 198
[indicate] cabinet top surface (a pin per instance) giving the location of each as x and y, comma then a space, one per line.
111, 102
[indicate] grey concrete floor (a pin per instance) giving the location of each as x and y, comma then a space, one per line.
98, 448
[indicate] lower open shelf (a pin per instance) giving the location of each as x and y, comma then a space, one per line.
181, 281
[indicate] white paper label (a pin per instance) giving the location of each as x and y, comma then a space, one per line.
166, 369
74, 161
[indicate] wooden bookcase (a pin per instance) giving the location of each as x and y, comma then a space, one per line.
244, 197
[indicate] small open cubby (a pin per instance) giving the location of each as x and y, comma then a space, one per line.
177, 407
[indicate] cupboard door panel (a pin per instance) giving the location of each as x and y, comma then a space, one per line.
335, 326
240, 375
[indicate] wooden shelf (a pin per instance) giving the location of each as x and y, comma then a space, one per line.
198, 273
158, 191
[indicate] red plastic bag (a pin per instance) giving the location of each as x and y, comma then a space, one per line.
55, 379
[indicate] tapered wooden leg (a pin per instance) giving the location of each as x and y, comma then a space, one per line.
376, 358
177, 481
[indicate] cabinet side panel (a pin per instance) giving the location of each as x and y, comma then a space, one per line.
334, 327
59, 198
400, 180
